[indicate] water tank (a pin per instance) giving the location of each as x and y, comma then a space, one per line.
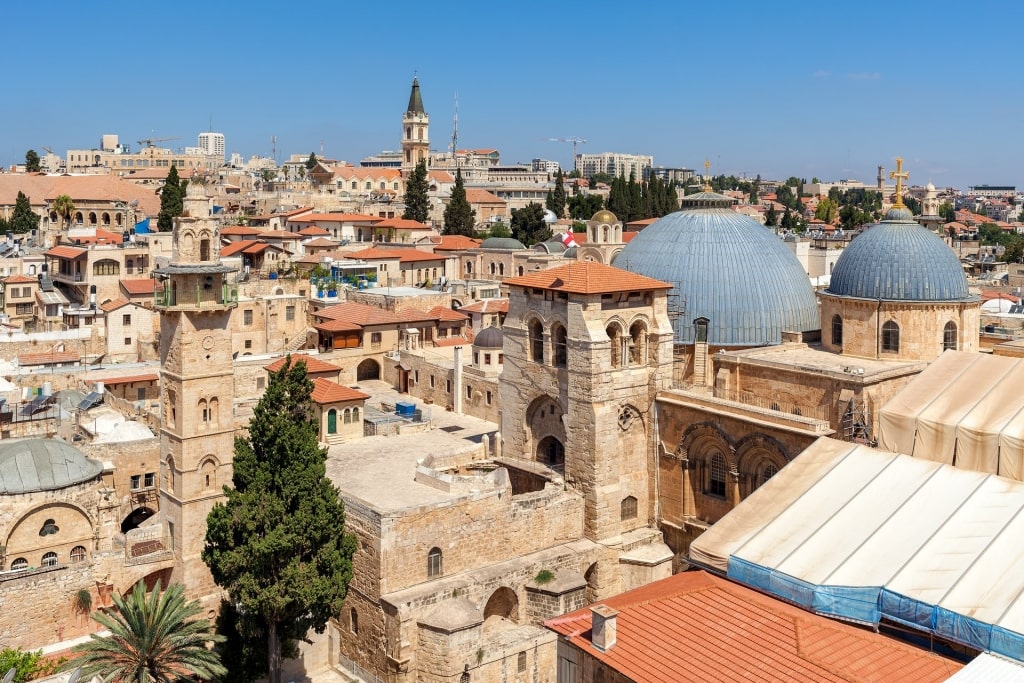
405, 408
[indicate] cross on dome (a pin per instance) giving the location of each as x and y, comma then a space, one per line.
899, 175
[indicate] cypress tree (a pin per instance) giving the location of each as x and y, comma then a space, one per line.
417, 203
459, 216
23, 219
32, 161
172, 196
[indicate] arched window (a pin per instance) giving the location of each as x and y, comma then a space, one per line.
204, 411
716, 475
106, 218
700, 330
434, 567
355, 415
615, 335
469, 267
214, 410
837, 330
891, 337
106, 267
49, 559
204, 250
520, 271
559, 347
949, 337
536, 341
638, 344
768, 471
627, 508
92, 218
347, 416
494, 268
78, 554
20, 563
501, 269
49, 528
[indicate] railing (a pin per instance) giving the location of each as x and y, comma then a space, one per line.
173, 298
68, 277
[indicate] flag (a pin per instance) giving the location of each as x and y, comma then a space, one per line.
568, 241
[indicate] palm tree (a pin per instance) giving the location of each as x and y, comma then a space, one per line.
64, 207
153, 639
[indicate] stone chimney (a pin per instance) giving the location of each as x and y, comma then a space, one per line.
603, 627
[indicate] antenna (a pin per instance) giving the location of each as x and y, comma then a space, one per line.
321, 148
273, 148
455, 129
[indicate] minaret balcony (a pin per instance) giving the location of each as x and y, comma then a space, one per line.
199, 298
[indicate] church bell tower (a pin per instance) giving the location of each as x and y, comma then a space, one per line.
197, 387
415, 131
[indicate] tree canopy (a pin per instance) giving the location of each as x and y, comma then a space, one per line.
23, 219
32, 162
459, 216
172, 201
311, 161
557, 198
630, 200
64, 207
278, 543
528, 224
417, 203
582, 207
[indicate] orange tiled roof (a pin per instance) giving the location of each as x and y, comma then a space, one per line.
445, 313
280, 235
441, 176
321, 242
243, 230
48, 358
19, 279
697, 627
109, 306
478, 196
128, 379
314, 366
587, 277
454, 243
337, 326
101, 236
453, 341
403, 255
139, 287
314, 231
64, 251
326, 391
358, 314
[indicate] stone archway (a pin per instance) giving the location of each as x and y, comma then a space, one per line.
551, 452
135, 518
544, 424
502, 608
368, 369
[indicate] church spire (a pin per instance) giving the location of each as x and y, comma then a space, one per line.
415, 100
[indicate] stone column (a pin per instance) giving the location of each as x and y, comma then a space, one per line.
457, 381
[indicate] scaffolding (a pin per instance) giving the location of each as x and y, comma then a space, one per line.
855, 425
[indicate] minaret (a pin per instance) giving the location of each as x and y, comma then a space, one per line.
415, 125
197, 385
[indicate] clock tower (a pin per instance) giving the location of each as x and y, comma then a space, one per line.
197, 385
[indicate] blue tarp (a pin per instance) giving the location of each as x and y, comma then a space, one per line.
142, 227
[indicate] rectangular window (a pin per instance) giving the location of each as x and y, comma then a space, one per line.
140, 394
24, 309
289, 313
247, 317
375, 338
469, 391
261, 382
126, 319
431, 381
150, 480
248, 343
170, 534
136, 482
488, 398
448, 386
127, 341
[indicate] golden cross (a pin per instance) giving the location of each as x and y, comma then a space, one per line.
900, 175
707, 176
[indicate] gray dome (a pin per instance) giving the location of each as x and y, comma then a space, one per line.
552, 246
899, 260
490, 338
506, 243
43, 465
728, 268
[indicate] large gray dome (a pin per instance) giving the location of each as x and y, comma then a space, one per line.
505, 243
43, 465
899, 260
728, 268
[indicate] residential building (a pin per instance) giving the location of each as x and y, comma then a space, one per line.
615, 165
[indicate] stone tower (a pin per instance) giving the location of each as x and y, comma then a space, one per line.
197, 387
586, 349
415, 131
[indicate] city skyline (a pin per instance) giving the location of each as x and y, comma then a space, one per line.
753, 89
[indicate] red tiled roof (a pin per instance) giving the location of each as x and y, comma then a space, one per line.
140, 286
48, 358
100, 237
454, 243
453, 341
64, 251
128, 379
441, 176
19, 279
280, 235
628, 235
314, 231
337, 218
109, 306
320, 241
314, 366
478, 196
487, 306
445, 313
358, 314
403, 255
326, 391
697, 627
243, 230
337, 326
587, 277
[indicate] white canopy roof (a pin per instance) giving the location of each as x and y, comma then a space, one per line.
966, 409
851, 531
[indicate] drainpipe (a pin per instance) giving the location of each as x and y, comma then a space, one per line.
878, 331
457, 382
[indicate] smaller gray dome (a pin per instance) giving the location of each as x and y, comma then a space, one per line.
43, 465
490, 338
552, 246
506, 243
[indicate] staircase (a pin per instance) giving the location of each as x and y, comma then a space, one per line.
700, 363
334, 439
298, 342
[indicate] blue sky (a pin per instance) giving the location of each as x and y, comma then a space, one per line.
817, 89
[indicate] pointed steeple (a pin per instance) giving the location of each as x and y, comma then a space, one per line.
415, 100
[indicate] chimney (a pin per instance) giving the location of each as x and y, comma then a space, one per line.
603, 627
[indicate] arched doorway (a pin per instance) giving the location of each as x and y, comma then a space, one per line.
590, 576
551, 452
368, 369
501, 608
135, 519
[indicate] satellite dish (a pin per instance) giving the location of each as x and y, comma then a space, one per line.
75, 675
9, 676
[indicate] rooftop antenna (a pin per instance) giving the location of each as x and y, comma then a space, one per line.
273, 147
321, 148
455, 131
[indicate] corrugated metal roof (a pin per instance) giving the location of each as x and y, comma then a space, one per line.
728, 268
989, 668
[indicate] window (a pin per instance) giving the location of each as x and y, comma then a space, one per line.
716, 476
106, 267
767, 472
521, 662
949, 337
627, 508
247, 317
487, 359
261, 382
127, 341
204, 250
78, 554
434, 567
837, 330
136, 482
289, 313
347, 416
536, 341
149, 480
170, 534
126, 319
20, 563
638, 344
700, 330
248, 343
469, 392
353, 620
49, 560
448, 386
891, 337
559, 345
140, 394
24, 309
488, 398
430, 381
49, 528
375, 339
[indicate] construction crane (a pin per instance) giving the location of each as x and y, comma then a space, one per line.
575, 141
48, 150
148, 142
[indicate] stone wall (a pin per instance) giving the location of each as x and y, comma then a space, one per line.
40, 605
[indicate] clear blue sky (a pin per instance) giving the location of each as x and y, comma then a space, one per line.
817, 89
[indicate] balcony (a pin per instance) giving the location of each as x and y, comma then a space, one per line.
73, 278
201, 297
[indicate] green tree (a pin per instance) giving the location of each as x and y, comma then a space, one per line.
23, 219
499, 230
27, 665
32, 162
755, 189
172, 196
771, 216
268, 174
788, 222
64, 208
948, 213
557, 198
278, 543
913, 204
601, 177
153, 638
417, 203
459, 216
826, 211
528, 224
311, 161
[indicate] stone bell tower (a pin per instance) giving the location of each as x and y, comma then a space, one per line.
197, 387
415, 131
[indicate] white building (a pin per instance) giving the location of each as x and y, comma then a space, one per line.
212, 144
614, 164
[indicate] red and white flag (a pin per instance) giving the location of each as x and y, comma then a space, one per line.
568, 241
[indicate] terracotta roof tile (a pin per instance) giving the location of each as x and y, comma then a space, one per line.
243, 230
403, 255
337, 326
109, 306
445, 313
320, 242
587, 277
453, 341
140, 286
337, 218
402, 224
64, 251
454, 243
326, 391
487, 306
19, 279
314, 366
697, 627
479, 196
358, 314
314, 231
48, 358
